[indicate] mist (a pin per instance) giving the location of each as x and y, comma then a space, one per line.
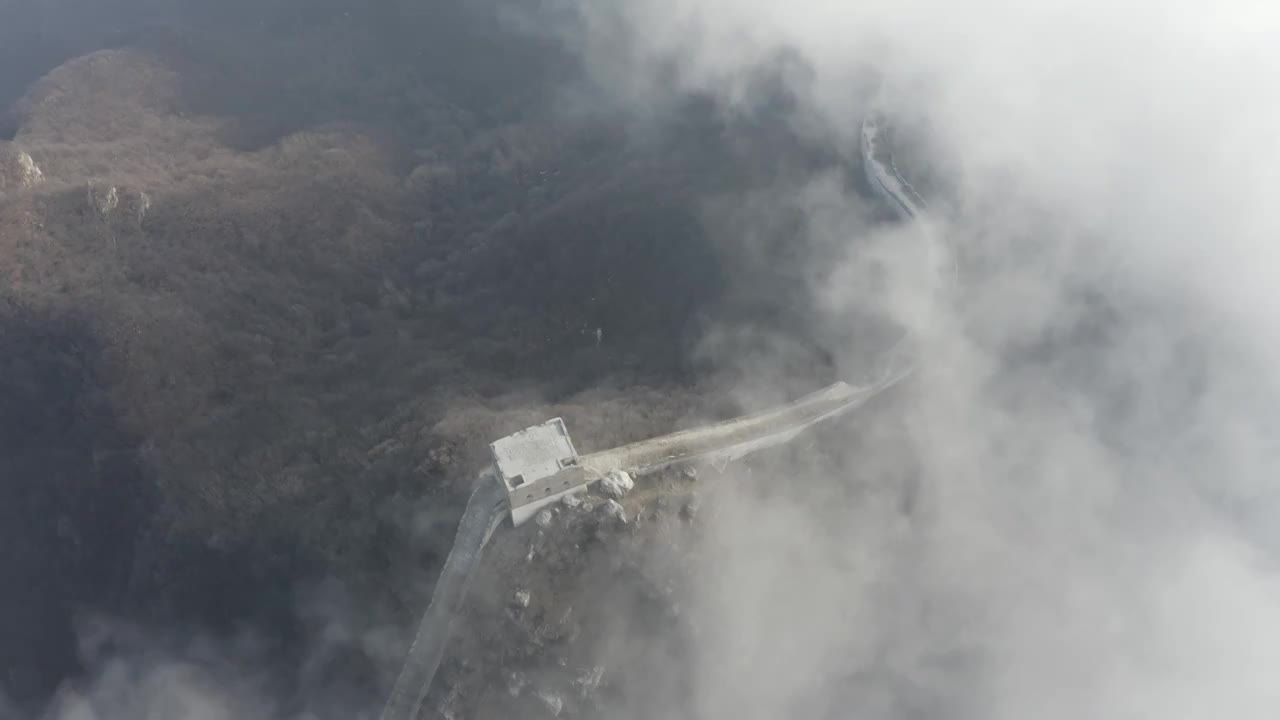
1090, 441
372, 240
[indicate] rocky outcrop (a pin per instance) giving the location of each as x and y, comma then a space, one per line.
18, 171
102, 199
109, 202
550, 596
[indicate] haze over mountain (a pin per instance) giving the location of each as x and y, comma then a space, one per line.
276, 273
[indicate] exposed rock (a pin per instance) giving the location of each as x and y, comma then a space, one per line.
449, 707
522, 598
544, 518
617, 484
113, 201
516, 683
564, 627
139, 203
614, 509
589, 681
18, 170
552, 701
102, 199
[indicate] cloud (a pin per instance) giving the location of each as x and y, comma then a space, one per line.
1089, 440
1069, 513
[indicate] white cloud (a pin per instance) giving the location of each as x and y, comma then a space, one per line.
1093, 432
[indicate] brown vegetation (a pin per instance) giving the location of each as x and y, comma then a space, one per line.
305, 335
312, 263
